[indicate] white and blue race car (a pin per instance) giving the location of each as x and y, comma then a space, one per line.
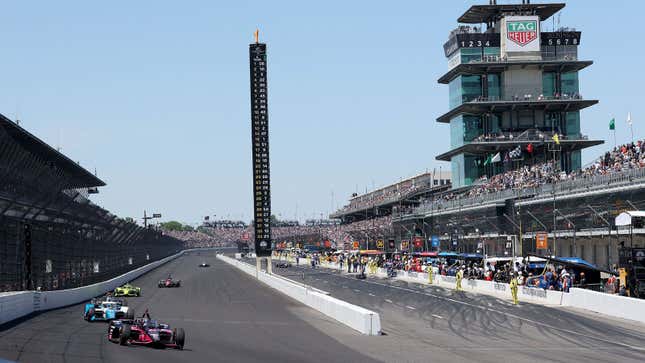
106, 309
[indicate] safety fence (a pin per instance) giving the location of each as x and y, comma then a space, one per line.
51, 235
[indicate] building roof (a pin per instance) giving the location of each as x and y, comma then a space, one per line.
80, 177
481, 107
478, 14
418, 177
489, 147
474, 68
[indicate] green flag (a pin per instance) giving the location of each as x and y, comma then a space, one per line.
488, 159
612, 124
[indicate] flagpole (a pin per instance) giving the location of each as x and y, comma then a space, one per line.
613, 120
615, 138
631, 127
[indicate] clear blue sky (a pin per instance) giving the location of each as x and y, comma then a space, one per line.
154, 94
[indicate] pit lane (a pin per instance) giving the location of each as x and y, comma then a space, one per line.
423, 321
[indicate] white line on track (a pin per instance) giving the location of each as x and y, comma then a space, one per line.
411, 307
370, 294
437, 316
388, 300
476, 306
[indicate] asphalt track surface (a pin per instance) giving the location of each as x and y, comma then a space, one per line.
227, 316
423, 323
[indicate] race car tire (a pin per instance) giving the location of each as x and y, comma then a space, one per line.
180, 338
124, 334
89, 315
113, 333
129, 315
138, 293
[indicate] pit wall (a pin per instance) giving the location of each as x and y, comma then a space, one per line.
365, 321
608, 304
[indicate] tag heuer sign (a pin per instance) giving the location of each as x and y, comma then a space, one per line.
522, 32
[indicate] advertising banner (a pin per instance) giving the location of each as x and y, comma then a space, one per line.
435, 241
541, 241
520, 34
405, 244
418, 242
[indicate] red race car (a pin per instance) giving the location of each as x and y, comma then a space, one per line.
146, 332
169, 282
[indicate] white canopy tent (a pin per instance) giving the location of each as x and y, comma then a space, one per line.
625, 218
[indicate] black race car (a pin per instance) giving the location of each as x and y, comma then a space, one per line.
283, 264
169, 282
204, 264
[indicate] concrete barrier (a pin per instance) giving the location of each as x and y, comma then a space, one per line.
612, 305
356, 317
496, 289
14, 305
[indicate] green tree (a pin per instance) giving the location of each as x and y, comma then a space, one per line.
172, 226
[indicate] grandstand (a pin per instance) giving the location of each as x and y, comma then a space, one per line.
515, 154
52, 236
221, 233
383, 201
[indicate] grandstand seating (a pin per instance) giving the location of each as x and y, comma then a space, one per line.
52, 236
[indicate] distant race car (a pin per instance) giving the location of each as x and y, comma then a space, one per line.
169, 282
127, 290
204, 264
107, 308
283, 265
146, 332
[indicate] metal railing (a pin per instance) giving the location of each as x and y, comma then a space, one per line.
523, 95
579, 184
527, 135
493, 58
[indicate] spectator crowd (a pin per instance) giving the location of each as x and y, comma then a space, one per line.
620, 159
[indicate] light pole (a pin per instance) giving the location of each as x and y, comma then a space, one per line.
425, 234
409, 242
146, 218
574, 229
